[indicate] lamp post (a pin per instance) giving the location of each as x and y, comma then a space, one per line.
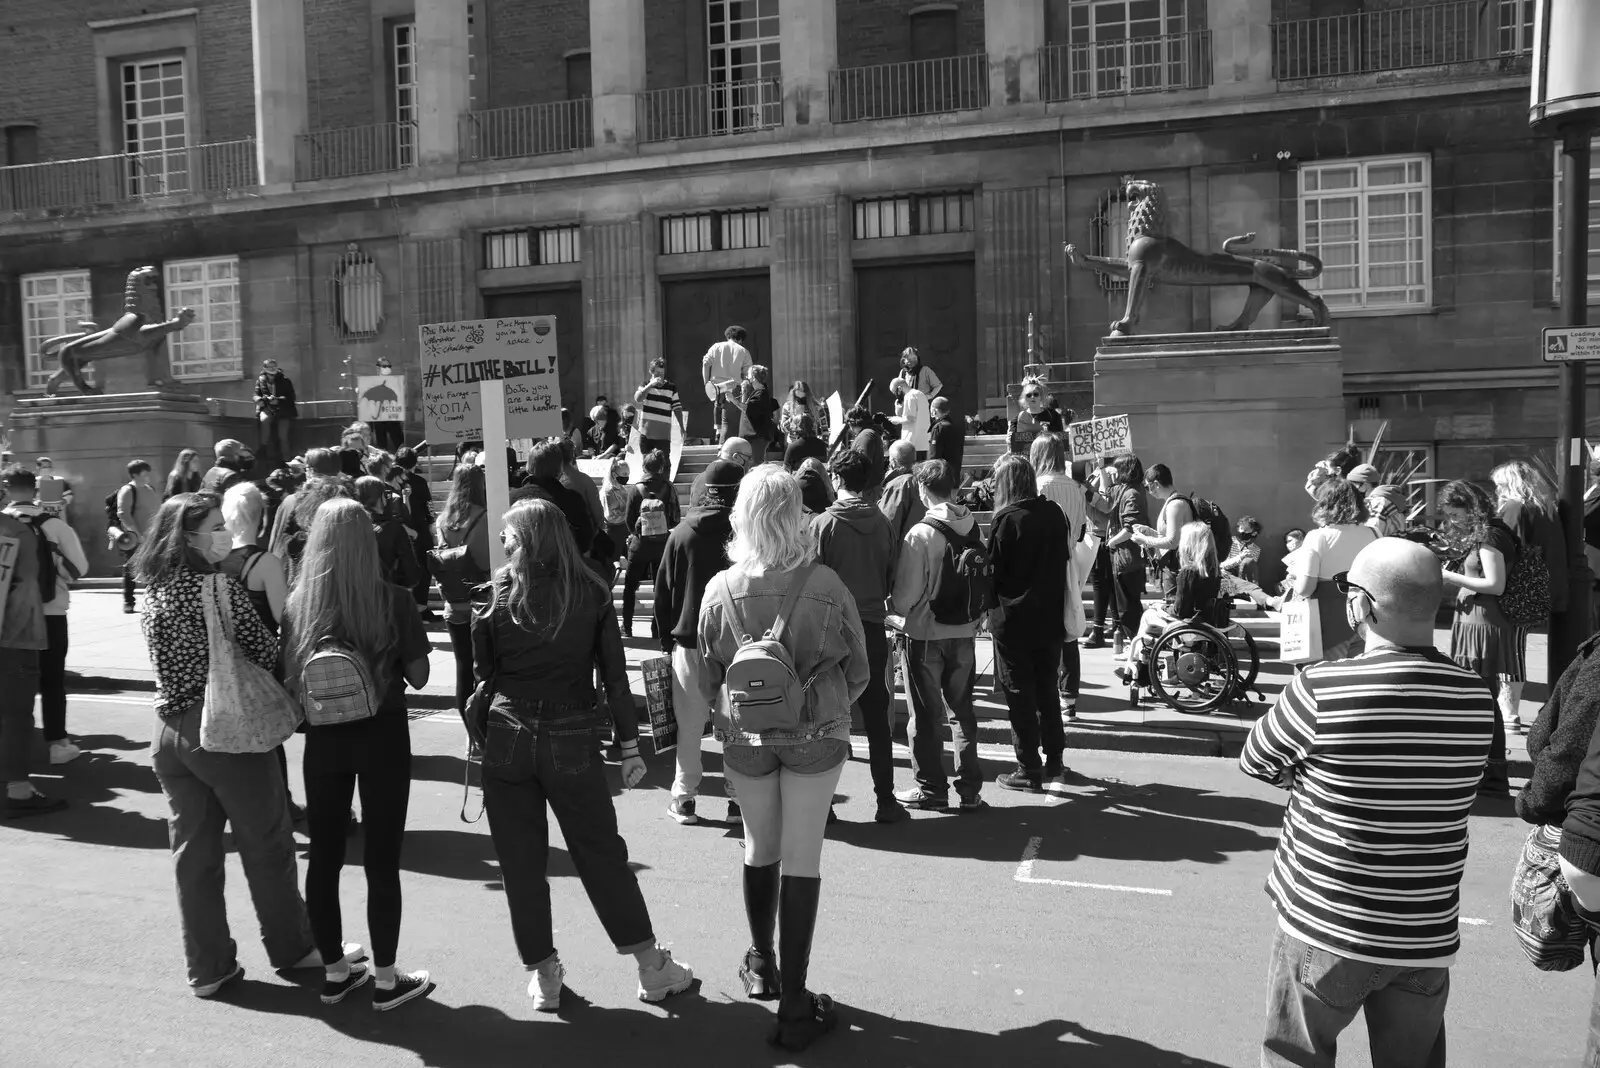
1565, 103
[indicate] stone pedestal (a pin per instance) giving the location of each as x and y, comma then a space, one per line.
91, 440
1239, 417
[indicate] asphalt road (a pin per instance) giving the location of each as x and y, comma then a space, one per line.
1137, 936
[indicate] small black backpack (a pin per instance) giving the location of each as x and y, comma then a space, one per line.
1208, 513
964, 590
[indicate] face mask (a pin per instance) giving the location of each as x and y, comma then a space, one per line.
1356, 621
213, 545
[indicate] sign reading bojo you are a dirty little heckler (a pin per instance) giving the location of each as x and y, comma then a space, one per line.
457, 357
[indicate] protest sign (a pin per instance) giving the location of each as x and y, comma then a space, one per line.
519, 351
657, 673
380, 398
1098, 438
835, 417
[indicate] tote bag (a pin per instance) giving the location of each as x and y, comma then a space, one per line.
246, 710
1080, 561
1300, 636
1544, 914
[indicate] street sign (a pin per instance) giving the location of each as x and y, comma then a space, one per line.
1563, 343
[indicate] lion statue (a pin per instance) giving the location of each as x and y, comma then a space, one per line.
140, 330
1153, 257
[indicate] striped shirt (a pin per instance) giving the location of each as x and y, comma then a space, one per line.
1386, 751
657, 403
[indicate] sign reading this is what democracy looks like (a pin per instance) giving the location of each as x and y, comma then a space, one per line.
519, 350
1095, 439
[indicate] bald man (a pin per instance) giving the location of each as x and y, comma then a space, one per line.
1381, 755
734, 450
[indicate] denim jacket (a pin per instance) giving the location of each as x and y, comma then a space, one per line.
823, 635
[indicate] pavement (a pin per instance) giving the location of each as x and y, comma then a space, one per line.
108, 652
1123, 926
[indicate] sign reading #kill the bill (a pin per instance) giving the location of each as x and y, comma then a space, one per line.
1096, 438
518, 350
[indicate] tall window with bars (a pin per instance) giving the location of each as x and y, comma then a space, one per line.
1370, 222
714, 231
743, 64
1515, 27
406, 108
155, 126
52, 304
531, 247
910, 216
210, 347
357, 295
1121, 46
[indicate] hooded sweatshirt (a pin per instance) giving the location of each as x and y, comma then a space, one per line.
1028, 548
853, 538
696, 550
1386, 511
917, 573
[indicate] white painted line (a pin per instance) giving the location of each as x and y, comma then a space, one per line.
1025, 875
1473, 921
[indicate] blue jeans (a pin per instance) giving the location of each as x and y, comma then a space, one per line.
539, 757
939, 678
1312, 995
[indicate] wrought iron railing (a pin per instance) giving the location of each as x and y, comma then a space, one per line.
527, 130
709, 110
1365, 42
919, 87
1163, 64
80, 183
355, 150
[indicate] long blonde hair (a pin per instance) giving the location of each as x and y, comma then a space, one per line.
1197, 550
769, 531
1048, 454
1520, 481
340, 594
545, 576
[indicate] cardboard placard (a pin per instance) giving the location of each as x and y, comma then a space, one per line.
1097, 438
380, 398
657, 673
519, 351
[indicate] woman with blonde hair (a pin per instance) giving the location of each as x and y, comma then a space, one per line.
1195, 593
538, 643
1525, 502
1053, 475
342, 598
784, 777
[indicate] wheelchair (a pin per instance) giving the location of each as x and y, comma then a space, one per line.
1196, 667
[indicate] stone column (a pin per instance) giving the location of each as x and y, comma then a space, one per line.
278, 33
806, 294
1241, 45
809, 43
1013, 33
615, 275
443, 91
616, 66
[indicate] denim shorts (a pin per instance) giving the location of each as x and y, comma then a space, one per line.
806, 758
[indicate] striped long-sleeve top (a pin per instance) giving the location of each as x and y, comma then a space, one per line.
1384, 753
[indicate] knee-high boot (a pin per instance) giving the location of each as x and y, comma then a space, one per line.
759, 972
803, 1017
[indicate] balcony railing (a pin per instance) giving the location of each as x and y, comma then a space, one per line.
1164, 64
353, 150
710, 110
919, 87
527, 130
79, 183
1394, 39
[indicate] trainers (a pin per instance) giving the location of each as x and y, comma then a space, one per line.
353, 954
335, 991
735, 814
972, 804
545, 986
682, 810
206, 990
406, 987
35, 804
923, 800
890, 811
1021, 779
1095, 640
669, 977
64, 752
1055, 782
1069, 707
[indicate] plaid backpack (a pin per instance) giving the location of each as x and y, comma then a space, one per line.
336, 685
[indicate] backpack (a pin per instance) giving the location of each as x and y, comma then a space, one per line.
112, 519
653, 518
762, 690
1208, 513
50, 559
1525, 602
964, 588
336, 686
455, 570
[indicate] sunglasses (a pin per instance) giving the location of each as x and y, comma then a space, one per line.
1342, 583
1030, 396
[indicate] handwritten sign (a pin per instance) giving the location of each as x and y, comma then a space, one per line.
380, 398
519, 351
835, 417
657, 674
8, 567
1096, 438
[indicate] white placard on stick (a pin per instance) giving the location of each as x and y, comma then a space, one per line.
1098, 438
381, 398
835, 417
519, 351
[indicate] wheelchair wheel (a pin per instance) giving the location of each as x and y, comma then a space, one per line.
1193, 668
1244, 649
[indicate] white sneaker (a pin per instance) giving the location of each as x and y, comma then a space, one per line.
545, 986
670, 978
64, 752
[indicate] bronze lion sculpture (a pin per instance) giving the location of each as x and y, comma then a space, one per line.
139, 331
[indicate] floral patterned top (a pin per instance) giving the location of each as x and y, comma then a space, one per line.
174, 627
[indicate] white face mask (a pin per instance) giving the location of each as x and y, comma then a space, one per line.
214, 545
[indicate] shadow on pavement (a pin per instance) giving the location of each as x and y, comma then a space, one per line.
93, 785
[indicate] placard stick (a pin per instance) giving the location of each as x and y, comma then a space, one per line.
496, 476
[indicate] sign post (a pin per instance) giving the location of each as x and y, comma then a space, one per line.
496, 475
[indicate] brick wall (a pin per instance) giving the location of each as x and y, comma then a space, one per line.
227, 70
879, 31
339, 74
674, 33
527, 46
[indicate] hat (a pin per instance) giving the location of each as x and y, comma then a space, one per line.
230, 449
1362, 473
723, 473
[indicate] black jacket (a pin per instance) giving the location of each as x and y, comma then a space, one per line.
901, 505
947, 441
796, 450
571, 503
1028, 548
275, 395
656, 488
420, 518
1564, 789
695, 551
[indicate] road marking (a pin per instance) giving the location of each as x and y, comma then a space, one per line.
1025, 875
1473, 921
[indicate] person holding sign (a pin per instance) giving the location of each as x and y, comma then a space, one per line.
723, 369
547, 626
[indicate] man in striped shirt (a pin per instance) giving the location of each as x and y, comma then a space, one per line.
659, 408
1381, 754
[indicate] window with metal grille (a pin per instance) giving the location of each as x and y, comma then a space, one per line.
210, 347
909, 216
529, 248
1108, 235
357, 295
1515, 27
1369, 221
713, 231
52, 304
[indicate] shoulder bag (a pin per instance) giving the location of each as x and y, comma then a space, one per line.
246, 710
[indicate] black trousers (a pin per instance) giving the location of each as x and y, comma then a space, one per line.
1070, 675
1028, 674
643, 563
1104, 583
373, 756
1129, 589
875, 703
53, 680
461, 645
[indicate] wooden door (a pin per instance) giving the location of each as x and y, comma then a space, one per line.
930, 306
566, 304
694, 313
